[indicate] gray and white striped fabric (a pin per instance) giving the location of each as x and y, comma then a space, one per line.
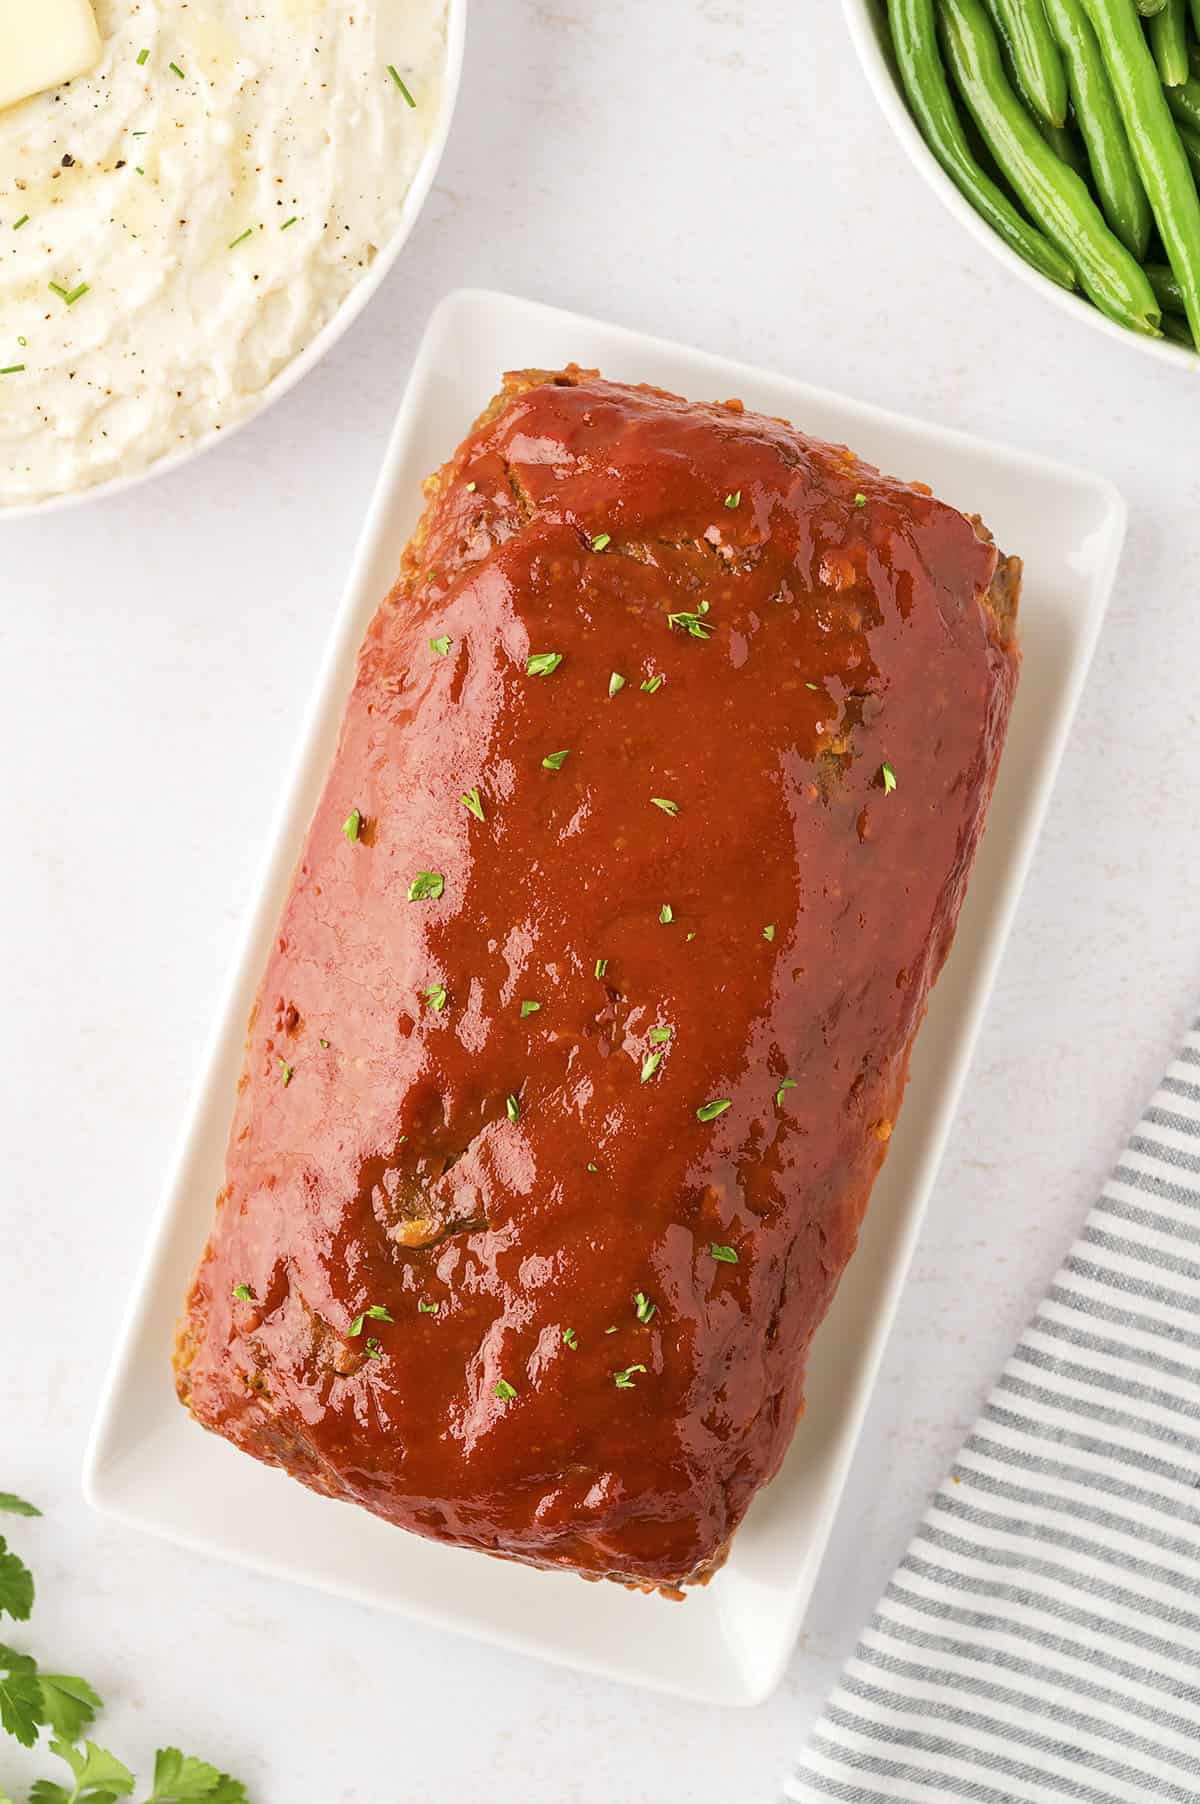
1041, 1639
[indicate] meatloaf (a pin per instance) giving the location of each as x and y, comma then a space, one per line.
589, 1014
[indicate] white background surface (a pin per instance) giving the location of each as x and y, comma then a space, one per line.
715, 173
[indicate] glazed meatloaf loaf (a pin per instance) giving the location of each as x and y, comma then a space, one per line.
589, 1014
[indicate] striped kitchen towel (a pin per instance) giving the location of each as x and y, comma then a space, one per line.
1041, 1639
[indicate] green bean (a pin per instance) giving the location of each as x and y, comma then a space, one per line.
1191, 146
1161, 159
1148, 8
1041, 77
1168, 40
1184, 102
1165, 284
1114, 172
1174, 326
914, 35
1055, 196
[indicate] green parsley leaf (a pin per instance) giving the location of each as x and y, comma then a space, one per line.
650, 1065
99, 1777
645, 1308
529, 1008
601, 540
513, 1108
288, 1072
377, 1312
660, 1034
435, 996
889, 778
667, 806
181, 1779
734, 500
373, 1348
21, 1711
624, 1380
860, 501
504, 1390
616, 683
708, 1111
473, 803
426, 886
391, 69
693, 624
543, 663
441, 645
723, 1255
16, 1506
68, 1704
424, 1308
555, 760
601, 966
653, 684
352, 826
789, 1083
666, 914
769, 933
569, 1339
243, 1293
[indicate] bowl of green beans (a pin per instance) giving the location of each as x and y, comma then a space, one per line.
1065, 134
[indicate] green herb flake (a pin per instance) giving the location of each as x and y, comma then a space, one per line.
860, 501
175, 70
529, 1008
708, 1111
143, 57
325, 1044
555, 760
69, 295
543, 663
512, 1108
650, 1065
424, 1308
601, 540
243, 1293
375, 1312
611, 1330
723, 1255
470, 488
645, 1308
734, 500
601, 966
666, 914
373, 1348
289, 223
624, 1380
616, 683
287, 1072
692, 623
139, 169
352, 826
660, 1035
569, 1339
435, 995
769, 932
593, 1167
394, 73
441, 645
504, 1390
811, 686
12, 369
789, 1083
653, 684
426, 886
23, 221
889, 778
241, 238
667, 806
473, 803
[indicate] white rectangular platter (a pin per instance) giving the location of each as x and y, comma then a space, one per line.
151, 1467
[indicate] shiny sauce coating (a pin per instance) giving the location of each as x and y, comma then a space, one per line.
589, 1013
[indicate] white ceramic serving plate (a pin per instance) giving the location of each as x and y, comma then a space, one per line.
867, 20
333, 329
151, 1467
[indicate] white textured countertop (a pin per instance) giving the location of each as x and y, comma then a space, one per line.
715, 173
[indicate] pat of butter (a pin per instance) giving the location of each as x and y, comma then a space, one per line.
43, 43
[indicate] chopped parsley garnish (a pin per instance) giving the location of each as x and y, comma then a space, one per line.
660, 1035
243, 1293
143, 56
860, 501
70, 296
889, 778
666, 914
789, 1083
376, 1312
352, 826
555, 760
769, 932
601, 540
708, 1111
593, 1167
512, 1108
569, 1340
611, 1330
624, 1380
653, 684
394, 73
734, 500
504, 1390
23, 221
435, 996
325, 1043
812, 686
288, 223
695, 624
426, 886
424, 1308
242, 237
440, 645
650, 1065
601, 966
373, 1349
529, 1008
470, 488
174, 67
12, 369
473, 803
287, 1072
667, 806
542, 663
723, 1255
645, 1308
616, 683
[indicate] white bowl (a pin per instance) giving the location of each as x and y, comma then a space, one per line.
867, 20
307, 359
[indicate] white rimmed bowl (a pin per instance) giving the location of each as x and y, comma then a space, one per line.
867, 20
333, 329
